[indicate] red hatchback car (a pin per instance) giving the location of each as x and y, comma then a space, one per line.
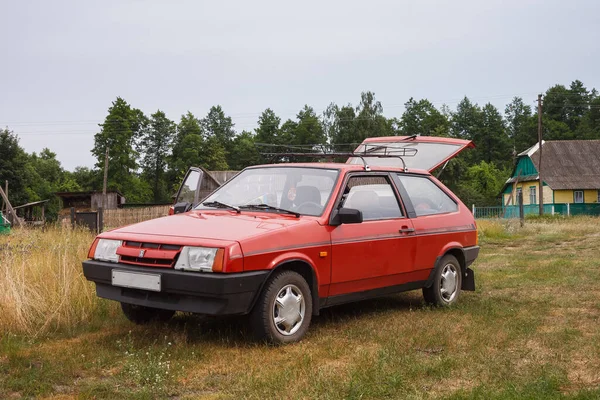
280, 242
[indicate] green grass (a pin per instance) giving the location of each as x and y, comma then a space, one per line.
530, 331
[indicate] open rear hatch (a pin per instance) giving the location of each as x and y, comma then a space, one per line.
418, 152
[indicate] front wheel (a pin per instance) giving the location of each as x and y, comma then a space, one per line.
283, 311
447, 281
143, 315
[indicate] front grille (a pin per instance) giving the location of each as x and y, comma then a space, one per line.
154, 262
155, 254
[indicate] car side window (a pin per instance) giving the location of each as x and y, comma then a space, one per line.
427, 198
373, 195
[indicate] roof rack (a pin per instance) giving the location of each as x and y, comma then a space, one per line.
326, 151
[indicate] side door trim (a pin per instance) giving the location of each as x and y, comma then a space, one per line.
410, 209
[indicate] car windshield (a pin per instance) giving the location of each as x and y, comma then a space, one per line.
302, 190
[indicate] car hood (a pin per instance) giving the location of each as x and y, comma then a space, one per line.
220, 225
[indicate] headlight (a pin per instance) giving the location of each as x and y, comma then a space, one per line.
196, 259
106, 250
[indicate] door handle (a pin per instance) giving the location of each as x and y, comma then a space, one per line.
406, 229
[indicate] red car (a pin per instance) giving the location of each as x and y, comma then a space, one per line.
281, 242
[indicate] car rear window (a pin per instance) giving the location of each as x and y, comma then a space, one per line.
427, 198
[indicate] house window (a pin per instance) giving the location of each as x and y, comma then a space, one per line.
578, 196
598, 196
532, 197
516, 199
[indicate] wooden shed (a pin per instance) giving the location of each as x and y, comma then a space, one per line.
212, 180
91, 201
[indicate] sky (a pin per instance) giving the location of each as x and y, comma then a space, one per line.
62, 63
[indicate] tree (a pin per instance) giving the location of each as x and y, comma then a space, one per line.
244, 152
518, 125
370, 120
309, 129
155, 144
422, 118
188, 125
590, 126
121, 129
482, 184
45, 177
13, 161
340, 126
216, 125
208, 153
491, 139
268, 128
466, 120
85, 178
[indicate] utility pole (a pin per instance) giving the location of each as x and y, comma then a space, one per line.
540, 151
105, 180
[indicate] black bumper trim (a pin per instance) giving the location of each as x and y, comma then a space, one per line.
471, 254
203, 293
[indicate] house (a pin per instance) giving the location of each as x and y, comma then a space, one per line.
570, 173
91, 201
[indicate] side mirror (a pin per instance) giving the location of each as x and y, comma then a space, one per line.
347, 216
182, 207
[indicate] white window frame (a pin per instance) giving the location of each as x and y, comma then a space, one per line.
532, 195
575, 197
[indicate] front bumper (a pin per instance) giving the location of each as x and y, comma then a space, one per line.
203, 293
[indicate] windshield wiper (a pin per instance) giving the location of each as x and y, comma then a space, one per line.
268, 207
218, 204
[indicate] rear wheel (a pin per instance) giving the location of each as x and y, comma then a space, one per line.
143, 315
447, 281
283, 311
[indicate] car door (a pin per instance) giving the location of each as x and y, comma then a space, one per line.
378, 252
436, 220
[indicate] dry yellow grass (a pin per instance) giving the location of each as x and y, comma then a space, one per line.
42, 287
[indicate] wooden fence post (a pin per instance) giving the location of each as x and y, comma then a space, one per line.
73, 217
521, 208
100, 223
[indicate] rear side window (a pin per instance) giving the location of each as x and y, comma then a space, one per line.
374, 196
427, 198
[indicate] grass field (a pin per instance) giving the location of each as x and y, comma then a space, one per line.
531, 330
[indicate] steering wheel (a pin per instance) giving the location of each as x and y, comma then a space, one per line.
309, 205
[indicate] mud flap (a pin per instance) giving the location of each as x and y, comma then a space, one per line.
468, 280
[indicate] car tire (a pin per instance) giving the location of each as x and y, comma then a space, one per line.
143, 315
447, 281
283, 311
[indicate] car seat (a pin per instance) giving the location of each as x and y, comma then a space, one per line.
305, 194
366, 201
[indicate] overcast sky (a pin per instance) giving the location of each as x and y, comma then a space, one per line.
63, 62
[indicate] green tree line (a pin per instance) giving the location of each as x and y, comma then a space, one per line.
149, 155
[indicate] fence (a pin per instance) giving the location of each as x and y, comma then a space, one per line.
534, 209
127, 216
